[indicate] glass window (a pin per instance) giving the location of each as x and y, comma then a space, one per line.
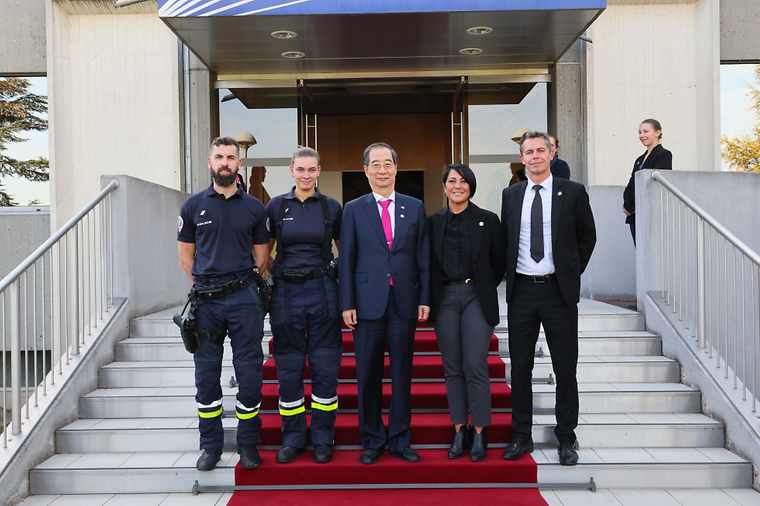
491, 149
276, 134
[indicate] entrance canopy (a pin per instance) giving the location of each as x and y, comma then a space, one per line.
336, 39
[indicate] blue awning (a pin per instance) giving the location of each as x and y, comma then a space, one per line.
201, 8
326, 39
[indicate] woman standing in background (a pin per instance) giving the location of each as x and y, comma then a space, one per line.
655, 157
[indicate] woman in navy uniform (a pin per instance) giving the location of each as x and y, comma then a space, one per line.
656, 157
305, 320
469, 258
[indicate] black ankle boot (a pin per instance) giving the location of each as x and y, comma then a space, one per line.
461, 442
479, 445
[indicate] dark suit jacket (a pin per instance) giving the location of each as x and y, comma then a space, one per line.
573, 233
366, 263
488, 259
560, 168
659, 158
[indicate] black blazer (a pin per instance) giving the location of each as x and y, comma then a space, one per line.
488, 259
659, 158
573, 233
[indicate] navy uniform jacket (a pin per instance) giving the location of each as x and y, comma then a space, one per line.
366, 263
573, 233
560, 168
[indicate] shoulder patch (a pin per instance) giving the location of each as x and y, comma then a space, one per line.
268, 227
180, 225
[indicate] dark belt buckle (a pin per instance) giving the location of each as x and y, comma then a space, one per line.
540, 279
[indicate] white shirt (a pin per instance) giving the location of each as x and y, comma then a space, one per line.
525, 264
391, 209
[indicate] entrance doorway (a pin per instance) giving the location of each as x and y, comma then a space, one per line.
428, 121
408, 182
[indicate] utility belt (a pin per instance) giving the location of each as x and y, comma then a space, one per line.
301, 275
202, 291
192, 335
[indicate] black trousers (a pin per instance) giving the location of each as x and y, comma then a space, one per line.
464, 336
532, 305
370, 339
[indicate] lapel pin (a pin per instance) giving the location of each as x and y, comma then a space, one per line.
481, 223
559, 194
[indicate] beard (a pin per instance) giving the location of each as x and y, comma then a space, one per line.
223, 181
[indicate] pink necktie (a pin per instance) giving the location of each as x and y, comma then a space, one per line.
385, 217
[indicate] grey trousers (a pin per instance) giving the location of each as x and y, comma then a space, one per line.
463, 337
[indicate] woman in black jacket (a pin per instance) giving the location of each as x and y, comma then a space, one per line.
656, 157
468, 253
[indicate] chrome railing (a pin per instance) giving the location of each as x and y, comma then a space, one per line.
50, 304
710, 279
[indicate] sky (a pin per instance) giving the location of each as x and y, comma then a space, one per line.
279, 136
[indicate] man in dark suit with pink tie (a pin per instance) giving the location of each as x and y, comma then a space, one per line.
384, 273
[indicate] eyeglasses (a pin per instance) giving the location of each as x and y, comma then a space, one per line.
384, 165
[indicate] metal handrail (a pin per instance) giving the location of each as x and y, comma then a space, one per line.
740, 245
705, 280
60, 305
31, 259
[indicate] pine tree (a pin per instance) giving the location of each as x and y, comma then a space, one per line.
18, 113
742, 153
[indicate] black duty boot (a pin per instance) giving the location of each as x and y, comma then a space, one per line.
479, 445
208, 459
461, 442
323, 454
249, 456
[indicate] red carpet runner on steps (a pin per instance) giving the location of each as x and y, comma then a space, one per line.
430, 426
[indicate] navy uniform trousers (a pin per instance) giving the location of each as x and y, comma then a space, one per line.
305, 323
239, 313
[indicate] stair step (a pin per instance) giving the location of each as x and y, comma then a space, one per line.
165, 472
618, 369
594, 398
630, 343
598, 431
593, 316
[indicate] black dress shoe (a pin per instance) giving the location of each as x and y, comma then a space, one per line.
406, 454
322, 454
249, 456
479, 445
370, 455
567, 454
208, 459
288, 454
517, 447
461, 443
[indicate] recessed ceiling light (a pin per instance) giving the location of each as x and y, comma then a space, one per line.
479, 30
284, 34
470, 50
293, 54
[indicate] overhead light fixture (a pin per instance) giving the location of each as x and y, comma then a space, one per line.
284, 34
293, 54
124, 3
479, 30
470, 50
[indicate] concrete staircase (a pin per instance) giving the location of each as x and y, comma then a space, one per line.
640, 428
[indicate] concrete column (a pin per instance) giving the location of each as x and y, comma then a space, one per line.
567, 115
113, 101
707, 48
202, 118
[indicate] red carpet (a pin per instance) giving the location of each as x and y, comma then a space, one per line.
428, 428
417, 497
